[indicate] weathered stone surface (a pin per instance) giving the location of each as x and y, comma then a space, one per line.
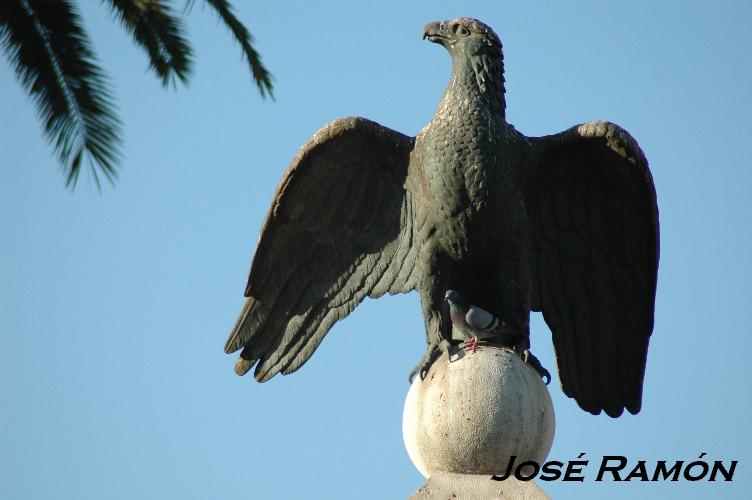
446, 485
471, 414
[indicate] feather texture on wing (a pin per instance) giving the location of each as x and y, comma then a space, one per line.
594, 224
339, 230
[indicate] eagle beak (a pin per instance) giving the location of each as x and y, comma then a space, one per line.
436, 32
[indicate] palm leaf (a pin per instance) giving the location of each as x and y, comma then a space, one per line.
159, 33
53, 59
261, 75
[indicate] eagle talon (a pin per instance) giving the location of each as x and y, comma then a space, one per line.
534, 363
435, 349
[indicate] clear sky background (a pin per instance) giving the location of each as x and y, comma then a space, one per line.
115, 306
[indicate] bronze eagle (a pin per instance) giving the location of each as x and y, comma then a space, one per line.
566, 224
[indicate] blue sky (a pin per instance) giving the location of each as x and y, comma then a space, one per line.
114, 306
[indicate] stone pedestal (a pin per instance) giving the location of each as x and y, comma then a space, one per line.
471, 414
446, 485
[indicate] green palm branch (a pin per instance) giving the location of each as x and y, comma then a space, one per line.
260, 75
53, 58
156, 29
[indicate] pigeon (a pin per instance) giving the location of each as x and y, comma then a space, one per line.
476, 325
474, 322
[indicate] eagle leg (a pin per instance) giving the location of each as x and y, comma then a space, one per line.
435, 349
534, 363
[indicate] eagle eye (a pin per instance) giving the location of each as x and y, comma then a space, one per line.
462, 31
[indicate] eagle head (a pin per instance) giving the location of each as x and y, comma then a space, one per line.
464, 36
476, 52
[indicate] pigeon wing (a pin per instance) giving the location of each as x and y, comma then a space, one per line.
339, 229
481, 319
594, 226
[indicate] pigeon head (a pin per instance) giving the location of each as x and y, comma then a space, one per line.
453, 296
476, 51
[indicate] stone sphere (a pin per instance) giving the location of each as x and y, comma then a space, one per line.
471, 414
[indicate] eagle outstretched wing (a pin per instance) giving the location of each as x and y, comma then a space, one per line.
594, 226
340, 228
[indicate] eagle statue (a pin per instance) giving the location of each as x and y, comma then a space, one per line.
566, 224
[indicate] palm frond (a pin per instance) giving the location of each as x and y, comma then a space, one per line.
52, 57
261, 75
161, 34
